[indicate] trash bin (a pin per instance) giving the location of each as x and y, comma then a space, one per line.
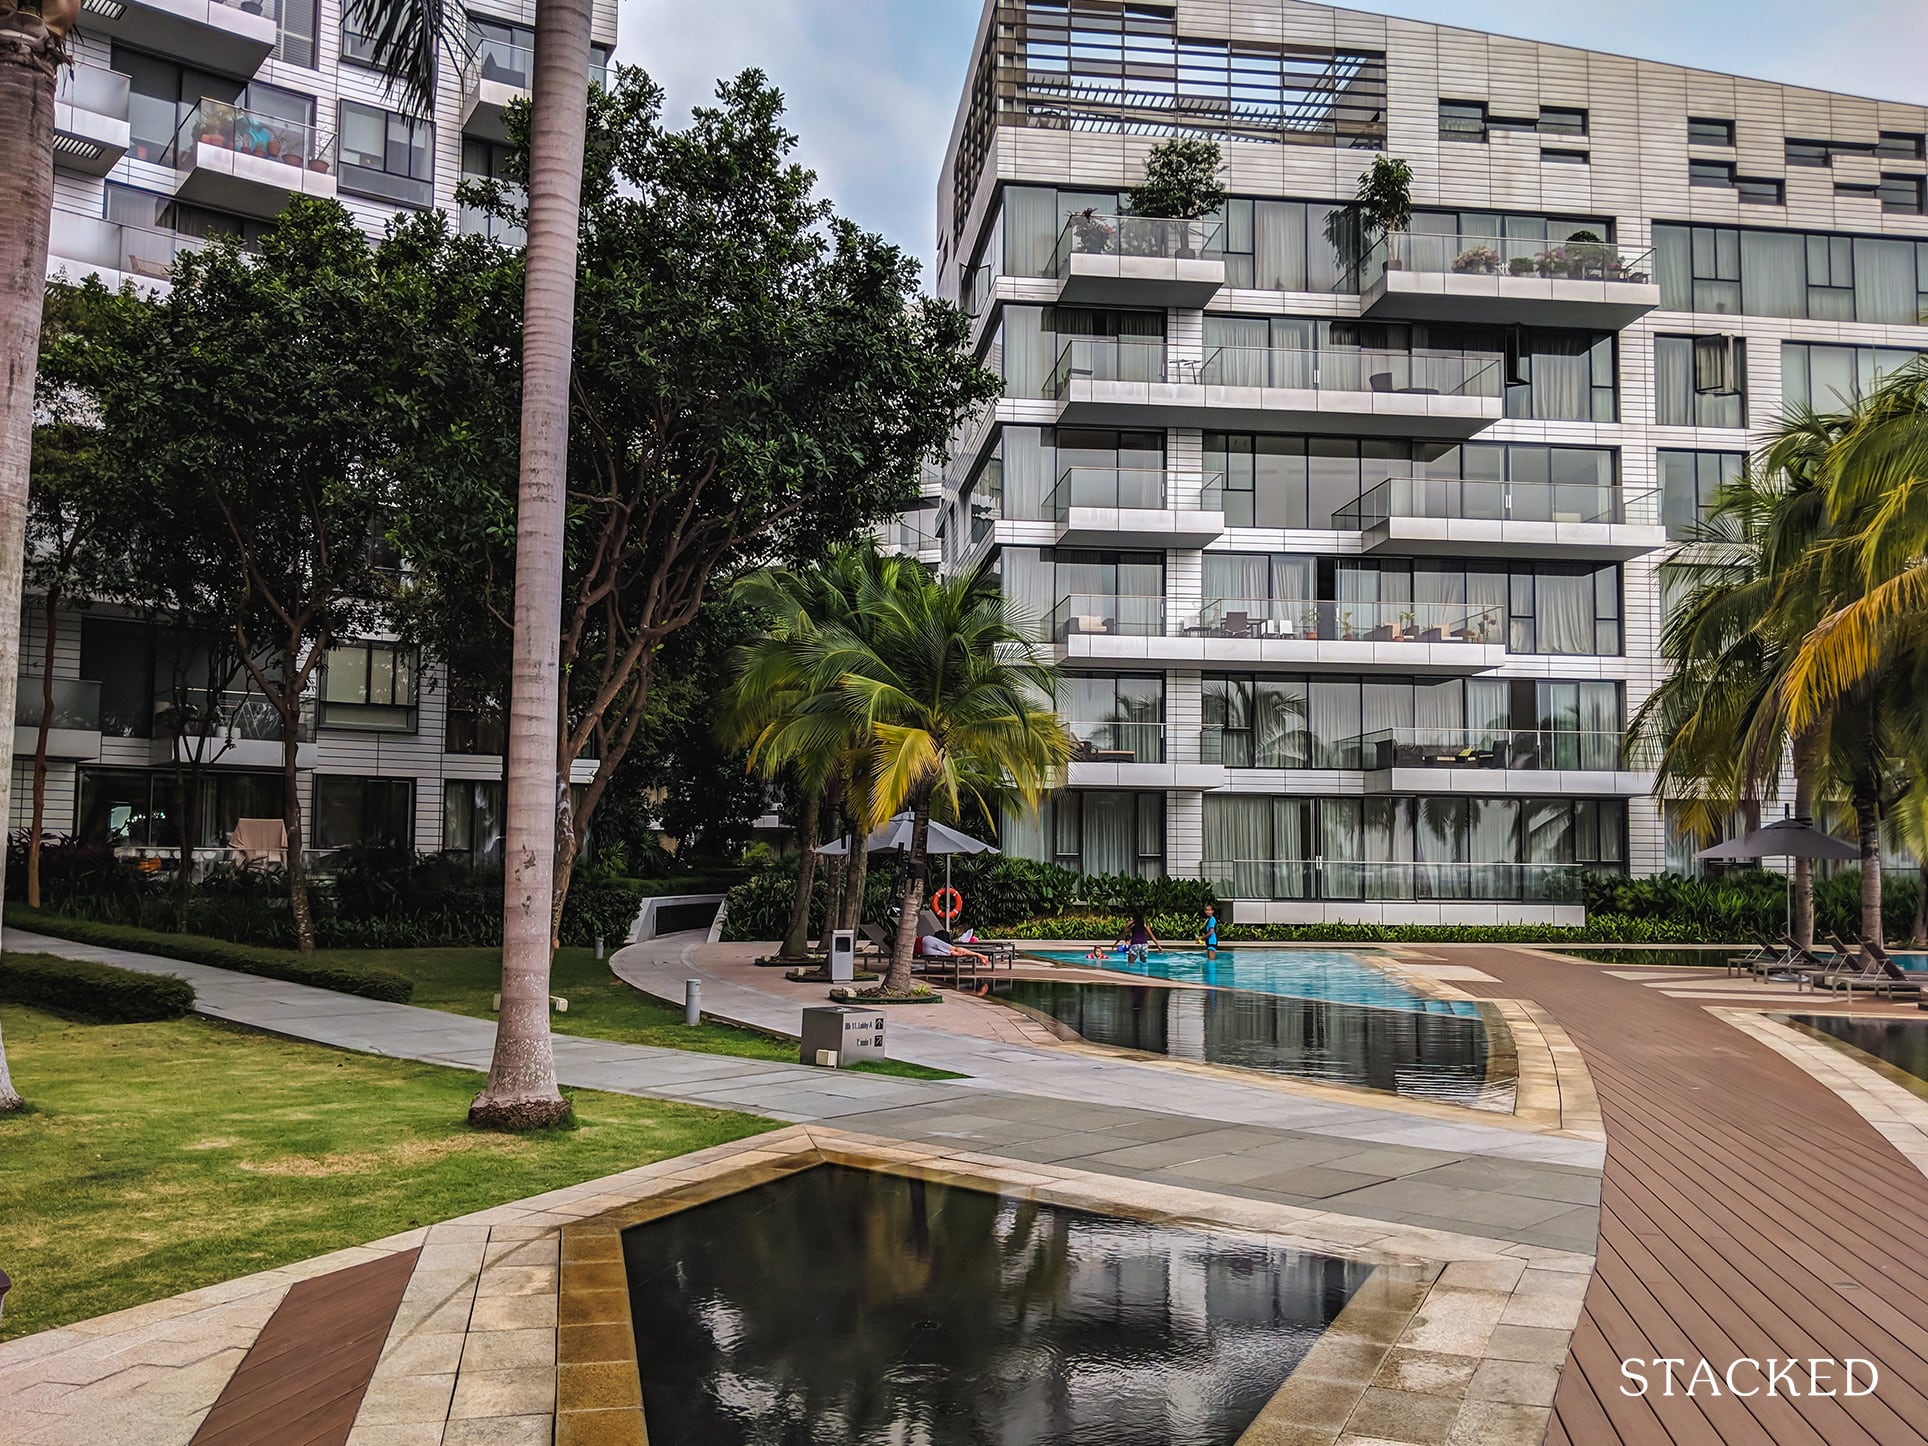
843, 955
838, 1034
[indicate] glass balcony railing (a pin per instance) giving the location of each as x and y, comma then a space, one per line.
1581, 260
1113, 741
94, 244
76, 704
252, 133
504, 62
1106, 359
1363, 880
1513, 748
1323, 620
1145, 488
93, 88
237, 717
1107, 615
1091, 234
1487, 501
1339, 369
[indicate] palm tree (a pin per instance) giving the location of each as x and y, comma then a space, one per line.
33, 47
405, 38
943, 684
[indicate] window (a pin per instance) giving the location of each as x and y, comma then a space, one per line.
1096, 831
1120, 593
1753, 191
486, 161
160, 96
1561, 376
1566, 608
1115, 719
1710, 173
474, 721
1809, 153
1900, 145
119, 655
1702, 131
1700, 381
472, 819
369, 685
355, 46
297, 26
1462, 120
140, 806
1791, 273
1832, 378
1564, 158
352, 811
1688, 482
388, 156
1902, 195
1558, 120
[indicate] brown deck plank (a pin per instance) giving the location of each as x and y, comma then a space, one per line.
1746, 1210
302, 1381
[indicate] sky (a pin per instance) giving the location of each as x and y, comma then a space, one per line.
872, 85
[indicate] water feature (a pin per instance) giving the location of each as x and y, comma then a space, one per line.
1330, 974
857, 1308
1902, 1043
1425, 1056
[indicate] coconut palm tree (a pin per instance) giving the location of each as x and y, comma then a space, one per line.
944, 684
405, 39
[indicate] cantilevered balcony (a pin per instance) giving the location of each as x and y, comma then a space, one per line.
231, 37
1109, 382
496, 73
73, 724
1421, 276
1135, 507
1137, 261
1456, 517
1267, 633
248, 161
90, 119
79, 246
235, 730
1496, 761
1124, 754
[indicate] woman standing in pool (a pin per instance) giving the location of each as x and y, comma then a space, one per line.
1137, 940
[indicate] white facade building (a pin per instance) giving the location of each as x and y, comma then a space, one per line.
189, 118
1356, 566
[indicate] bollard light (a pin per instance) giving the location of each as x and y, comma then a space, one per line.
692, 1001
599, 946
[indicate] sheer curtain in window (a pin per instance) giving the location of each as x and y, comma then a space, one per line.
1673, 381
1341, 824
1235, 350
1884, 282
1279, 258
1110, 833
1332, 719
1031, 224
1563, 612
1492, 838
1279, 738
1235, 582
1238, 843
1774, 273
1562, 378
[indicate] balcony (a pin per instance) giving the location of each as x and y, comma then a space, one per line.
496, 73
1101, 381
249, 162
1488, 761
1137, 261
79, 246
1135, 507
230, 38
1319, 880
1291, 635
73, 729
1589, 284
243, 731
90, 119
1457, 517
1126, 754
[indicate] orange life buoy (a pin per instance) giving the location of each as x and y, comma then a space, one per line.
947, 903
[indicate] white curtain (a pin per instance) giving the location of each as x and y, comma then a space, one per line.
1031, 226
1774, 273
1563, 608
1673, 381
1279, 259
1279, 725
1110, 833
1333, 722
1562, 378
1884, 282
1238, 843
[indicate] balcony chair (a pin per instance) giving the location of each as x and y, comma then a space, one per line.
1236, 625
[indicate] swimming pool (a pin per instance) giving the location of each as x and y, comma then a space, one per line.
1432, 1056
1329, 974
1902, 1043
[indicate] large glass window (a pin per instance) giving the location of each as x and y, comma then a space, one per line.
486, 161
1117, 719
1688, 482
1827, 277
161, 93
387, 155
1700, 381
1096, 831
119, 655
1566, 608
1833, 378
472, 819
351, 811
1120, 593
369, 685
139, 807
1038, 349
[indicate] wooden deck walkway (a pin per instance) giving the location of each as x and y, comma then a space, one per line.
1747, 1212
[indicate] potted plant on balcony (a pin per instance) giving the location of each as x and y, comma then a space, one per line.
1090, 232
1309, 625
1181, 184
1522, 266
1589, 257
1477, 261
1408, 625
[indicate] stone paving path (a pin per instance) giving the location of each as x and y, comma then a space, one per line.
1117, 1117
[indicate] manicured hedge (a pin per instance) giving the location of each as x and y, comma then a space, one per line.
243, 958
1180, 931
87, 990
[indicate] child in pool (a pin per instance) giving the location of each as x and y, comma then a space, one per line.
1210, 937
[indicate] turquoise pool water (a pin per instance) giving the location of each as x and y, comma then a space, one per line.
1328, 974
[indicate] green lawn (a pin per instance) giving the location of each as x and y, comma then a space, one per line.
601, 1006
155, 1158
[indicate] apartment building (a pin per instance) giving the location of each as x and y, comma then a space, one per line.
184, 119
1354, 554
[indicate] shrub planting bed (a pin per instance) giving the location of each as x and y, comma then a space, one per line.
82, 989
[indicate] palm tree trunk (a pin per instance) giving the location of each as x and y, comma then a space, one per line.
836, 871
1867, 817
39, 819
1804, 868
30, 53
521, 1092
1918, 936
796, 938
898, 980
856, 877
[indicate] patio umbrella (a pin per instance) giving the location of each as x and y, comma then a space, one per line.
896, 832
1786, 838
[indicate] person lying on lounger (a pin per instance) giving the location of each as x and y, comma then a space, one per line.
935, 946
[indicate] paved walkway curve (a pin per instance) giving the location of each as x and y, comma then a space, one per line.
1747, 1212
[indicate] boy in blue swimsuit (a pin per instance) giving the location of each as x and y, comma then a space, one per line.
1211, 930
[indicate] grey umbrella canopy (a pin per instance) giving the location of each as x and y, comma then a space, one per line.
895, 834
1791, 838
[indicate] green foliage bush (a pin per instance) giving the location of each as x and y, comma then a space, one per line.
83, 989
220, 953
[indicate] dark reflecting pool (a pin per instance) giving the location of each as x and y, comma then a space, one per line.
1428, 1056
1903, 1043
840, 1306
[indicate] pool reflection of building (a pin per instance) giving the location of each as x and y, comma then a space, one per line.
1439, 1056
